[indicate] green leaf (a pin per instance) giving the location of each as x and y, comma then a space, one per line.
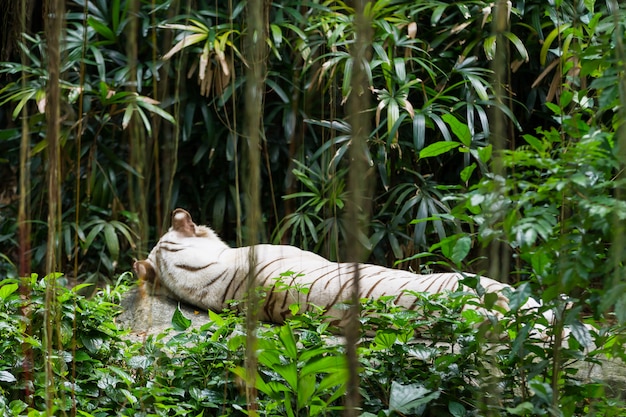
489, 46
438, 148
277, 34
466, 173
112, 242
216, 319
406, 399
384, 339
7, 290
456, 409
92, 344
543, 54
519, 297
437, 13
288, 341
101, 28
459, 128
179, 321
534, 143
327, 364
522, 409
6, 376
484, 154
306, 388
581, 333
542, 390
490, 300
461, 249
519, 45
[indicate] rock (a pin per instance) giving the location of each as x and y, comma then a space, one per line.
146, 314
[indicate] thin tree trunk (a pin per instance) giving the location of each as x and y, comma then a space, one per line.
358, 206
255, 49
54, 23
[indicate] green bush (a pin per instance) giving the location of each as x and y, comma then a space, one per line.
438, 359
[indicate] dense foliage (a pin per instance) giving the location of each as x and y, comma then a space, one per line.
138, 132
436, 360
499, 152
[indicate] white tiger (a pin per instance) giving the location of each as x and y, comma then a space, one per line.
197, 267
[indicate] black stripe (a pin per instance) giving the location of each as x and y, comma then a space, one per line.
194, 268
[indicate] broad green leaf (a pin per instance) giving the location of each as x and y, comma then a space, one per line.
581, 333
535, 143
333, 379
519, 297
306, 388
466, 173
384, 339
180, 323
115, 14
128, 114
438, 148
460, 129
484, 154
456, 409
461, 249
327, 364
92, 344
406, 399
149, 105
289, 372
542, 390
419, 130
490, 300
7, 290
92, 235
288, 341
216, 318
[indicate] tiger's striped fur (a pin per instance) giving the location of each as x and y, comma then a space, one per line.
196, 266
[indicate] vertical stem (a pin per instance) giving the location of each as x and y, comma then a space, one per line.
255, 50
619, 228
136, 182
54, 19
24, 213
24, 203
499, 258
358, 204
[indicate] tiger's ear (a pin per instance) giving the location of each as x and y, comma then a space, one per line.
144, 271
182, 223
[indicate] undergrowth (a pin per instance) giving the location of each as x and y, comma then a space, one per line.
437, 360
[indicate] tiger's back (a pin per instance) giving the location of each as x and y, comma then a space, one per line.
196, 266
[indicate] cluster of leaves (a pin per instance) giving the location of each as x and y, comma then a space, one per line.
431, 95
435, 360
55, 340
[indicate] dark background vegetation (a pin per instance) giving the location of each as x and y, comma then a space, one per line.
148, 124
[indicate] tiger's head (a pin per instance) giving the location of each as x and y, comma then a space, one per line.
182, 228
